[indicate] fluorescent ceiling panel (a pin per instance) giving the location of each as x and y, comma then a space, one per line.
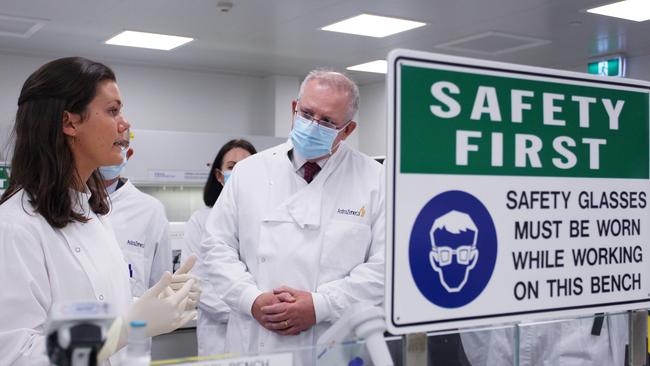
636, 10
148, 40
493, 43
377, 66
373, 26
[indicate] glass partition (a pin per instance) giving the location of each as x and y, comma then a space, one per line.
599, 340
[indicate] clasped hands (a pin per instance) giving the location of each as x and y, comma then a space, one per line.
285, 311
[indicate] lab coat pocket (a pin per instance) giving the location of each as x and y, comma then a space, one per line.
345, 245
136, 267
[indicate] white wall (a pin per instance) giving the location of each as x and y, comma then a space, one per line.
170, 99
180, 100
177, 100
281, 91
372, 119
162, 98
13, 72
639, 67
166, 99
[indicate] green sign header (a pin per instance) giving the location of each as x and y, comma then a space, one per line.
462, 122
4, 177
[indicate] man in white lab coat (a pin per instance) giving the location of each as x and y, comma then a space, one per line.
141, 228
297, 235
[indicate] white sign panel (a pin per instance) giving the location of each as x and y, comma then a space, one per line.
515, 193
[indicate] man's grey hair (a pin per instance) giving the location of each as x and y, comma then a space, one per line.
337, 81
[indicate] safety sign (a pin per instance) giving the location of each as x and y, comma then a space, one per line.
515, 193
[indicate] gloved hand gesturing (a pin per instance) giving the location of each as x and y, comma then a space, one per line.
162, 308
181, 277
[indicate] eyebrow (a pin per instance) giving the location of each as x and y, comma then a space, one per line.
323, 118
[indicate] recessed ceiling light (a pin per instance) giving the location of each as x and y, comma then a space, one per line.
373, 26
377, 66
23, 27
636, 10
148, 40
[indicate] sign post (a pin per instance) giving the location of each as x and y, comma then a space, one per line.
514, 194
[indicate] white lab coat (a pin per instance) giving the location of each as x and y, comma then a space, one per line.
566, 343
212, 312
41, 265
270, 228
142, 231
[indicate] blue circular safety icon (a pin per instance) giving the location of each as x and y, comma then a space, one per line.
452, 249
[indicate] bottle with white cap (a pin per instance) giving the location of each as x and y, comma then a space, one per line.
137, 348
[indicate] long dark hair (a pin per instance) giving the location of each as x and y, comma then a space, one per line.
42, 164
213, 187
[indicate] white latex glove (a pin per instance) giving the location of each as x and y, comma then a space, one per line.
162, 309
181, 277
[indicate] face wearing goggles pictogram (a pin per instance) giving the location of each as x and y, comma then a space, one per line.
444, 255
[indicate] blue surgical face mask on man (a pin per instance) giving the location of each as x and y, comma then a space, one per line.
113, 171
310, 139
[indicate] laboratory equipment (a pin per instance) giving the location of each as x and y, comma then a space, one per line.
362, 320
76, 332
137, 349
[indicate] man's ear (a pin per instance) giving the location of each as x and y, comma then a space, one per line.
349, 128
294, 103
129, 153
69, 123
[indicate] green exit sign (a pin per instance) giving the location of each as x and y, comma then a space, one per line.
611, 67
4, 177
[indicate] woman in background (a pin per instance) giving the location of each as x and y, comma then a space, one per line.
55, 245
212, 312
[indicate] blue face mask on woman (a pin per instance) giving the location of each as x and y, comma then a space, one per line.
113, 171
310, 139
226, 176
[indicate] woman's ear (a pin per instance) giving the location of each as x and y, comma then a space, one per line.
219, 175
69, 123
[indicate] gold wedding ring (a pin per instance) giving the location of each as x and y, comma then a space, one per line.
286, 324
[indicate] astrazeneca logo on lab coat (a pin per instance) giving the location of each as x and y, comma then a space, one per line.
346, 211
452, 249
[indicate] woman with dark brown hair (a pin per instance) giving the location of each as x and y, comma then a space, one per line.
212, 317
55, 244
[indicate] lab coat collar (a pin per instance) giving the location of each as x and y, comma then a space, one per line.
113, 187
304, 206
122, 190
80, 200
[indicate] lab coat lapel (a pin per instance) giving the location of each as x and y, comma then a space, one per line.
280, 184
304, 206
